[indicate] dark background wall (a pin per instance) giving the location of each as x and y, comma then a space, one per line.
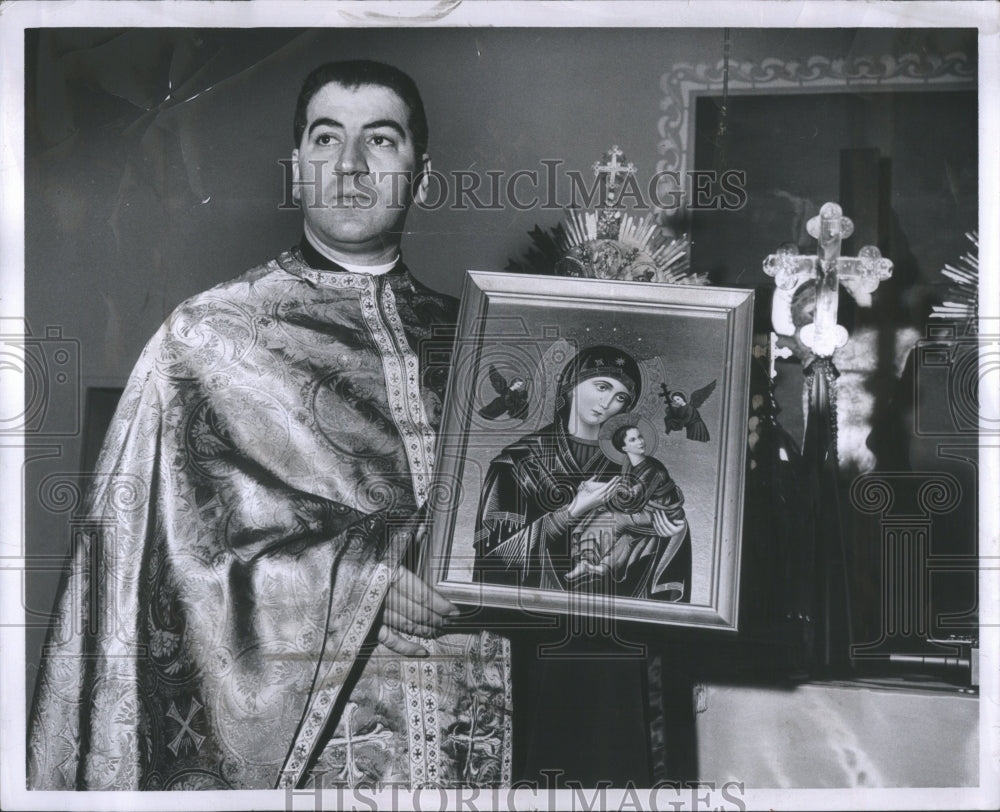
152, 170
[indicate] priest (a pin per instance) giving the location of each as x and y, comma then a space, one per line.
245, 611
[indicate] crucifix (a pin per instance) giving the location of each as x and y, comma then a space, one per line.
860, 275
820, 611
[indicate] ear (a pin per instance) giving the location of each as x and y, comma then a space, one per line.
296, 179
422, 181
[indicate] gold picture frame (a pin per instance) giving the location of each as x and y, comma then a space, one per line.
506, 421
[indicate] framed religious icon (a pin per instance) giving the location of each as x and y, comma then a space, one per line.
593, 446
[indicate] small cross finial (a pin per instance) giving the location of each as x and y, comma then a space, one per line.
613, 166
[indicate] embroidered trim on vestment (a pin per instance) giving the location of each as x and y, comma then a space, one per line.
423, 727
402, 383
418, 422
336, 661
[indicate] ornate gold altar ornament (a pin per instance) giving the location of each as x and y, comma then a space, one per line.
606, 242
609, 243
961, 300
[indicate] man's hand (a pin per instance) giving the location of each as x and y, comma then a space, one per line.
412, 606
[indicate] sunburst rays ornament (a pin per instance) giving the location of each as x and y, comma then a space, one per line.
961, 300
609, 243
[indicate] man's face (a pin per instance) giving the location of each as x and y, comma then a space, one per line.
352, 172
677, 400
635, 443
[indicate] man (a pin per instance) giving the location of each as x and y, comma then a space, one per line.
241, 615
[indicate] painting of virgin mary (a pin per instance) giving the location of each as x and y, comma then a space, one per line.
542, 493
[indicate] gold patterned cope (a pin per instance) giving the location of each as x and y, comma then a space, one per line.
254, 495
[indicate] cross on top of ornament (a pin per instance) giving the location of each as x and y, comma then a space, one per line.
613, 166
608, 171
860, 275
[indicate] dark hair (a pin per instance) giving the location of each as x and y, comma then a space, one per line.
601, 361
618, 438
361, 73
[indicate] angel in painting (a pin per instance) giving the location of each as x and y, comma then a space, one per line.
682, 411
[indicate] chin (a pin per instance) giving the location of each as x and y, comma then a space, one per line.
348, 236
351, 231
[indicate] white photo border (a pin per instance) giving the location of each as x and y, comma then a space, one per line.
16, 17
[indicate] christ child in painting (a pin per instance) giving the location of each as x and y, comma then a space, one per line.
604, 551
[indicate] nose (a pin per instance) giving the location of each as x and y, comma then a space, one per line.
352, 158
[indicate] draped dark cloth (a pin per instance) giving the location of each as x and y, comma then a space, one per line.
828, 646
253, 498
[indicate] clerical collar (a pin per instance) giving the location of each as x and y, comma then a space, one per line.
315, 258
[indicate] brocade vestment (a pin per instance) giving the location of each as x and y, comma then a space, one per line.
255, 492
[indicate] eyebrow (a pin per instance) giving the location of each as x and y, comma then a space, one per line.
371, 125
609, 379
